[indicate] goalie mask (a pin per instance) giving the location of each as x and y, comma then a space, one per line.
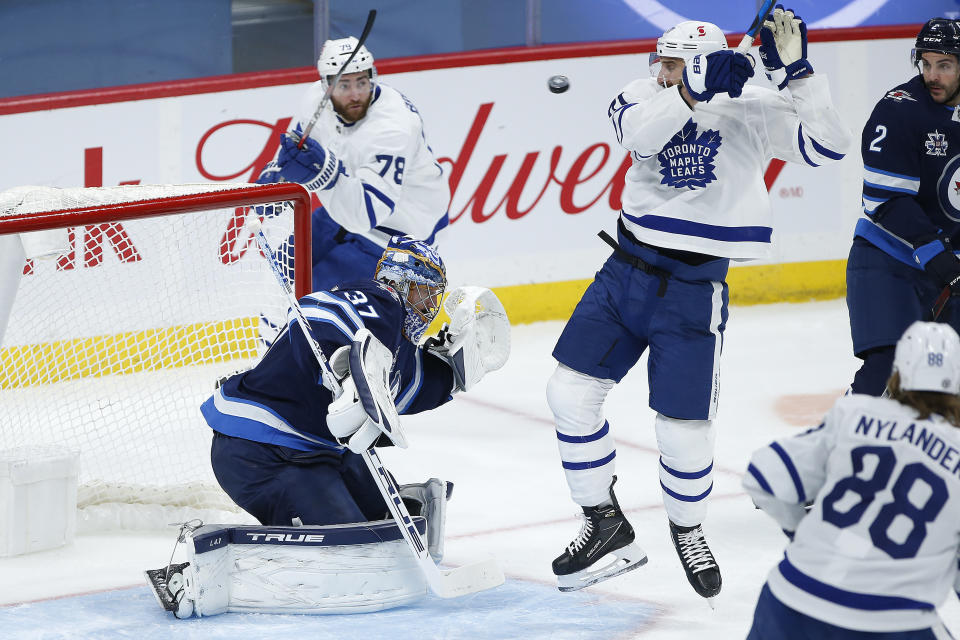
928, 358
686, 40
416, 271
336, 52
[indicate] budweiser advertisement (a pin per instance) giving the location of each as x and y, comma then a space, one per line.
534, 175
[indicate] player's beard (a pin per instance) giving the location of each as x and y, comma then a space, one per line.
946, 94
352, 111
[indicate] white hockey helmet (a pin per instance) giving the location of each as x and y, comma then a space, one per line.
928, 358
336, 52
691, 38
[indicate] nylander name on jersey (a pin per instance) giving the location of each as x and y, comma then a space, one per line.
917, 434
911, 171
282, 400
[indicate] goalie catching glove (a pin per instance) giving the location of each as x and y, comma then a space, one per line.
783, 47
477, 339
364, 410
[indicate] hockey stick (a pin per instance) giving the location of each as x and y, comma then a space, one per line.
446, 583
755, 26
940, 303
326, 94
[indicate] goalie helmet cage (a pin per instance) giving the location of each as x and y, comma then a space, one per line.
111, 347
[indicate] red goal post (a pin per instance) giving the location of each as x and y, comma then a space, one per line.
111, 345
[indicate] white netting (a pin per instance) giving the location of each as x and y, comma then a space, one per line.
111, 347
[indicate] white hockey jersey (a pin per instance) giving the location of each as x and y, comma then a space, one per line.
878, 551
696, 182
393, 183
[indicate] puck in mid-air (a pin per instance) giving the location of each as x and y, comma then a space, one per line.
558, 84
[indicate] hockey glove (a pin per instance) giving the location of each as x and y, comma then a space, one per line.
477, 340
783, 47
718, 72
312, 165
938, 260
270, 174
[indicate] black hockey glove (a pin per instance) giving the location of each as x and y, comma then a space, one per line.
938, 260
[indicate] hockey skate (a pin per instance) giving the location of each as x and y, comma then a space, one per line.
169, 589
697, 560
429, 499
605, 531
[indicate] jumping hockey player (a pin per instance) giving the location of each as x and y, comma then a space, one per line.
903, 252
368, 161
878, 550
694, 199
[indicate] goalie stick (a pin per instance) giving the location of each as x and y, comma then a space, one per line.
446, 583
326, 94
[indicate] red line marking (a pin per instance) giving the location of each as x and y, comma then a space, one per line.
72, 595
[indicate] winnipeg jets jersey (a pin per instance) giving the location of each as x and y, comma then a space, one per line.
393, 182
911, 171
696, 182
283, 401
878, 551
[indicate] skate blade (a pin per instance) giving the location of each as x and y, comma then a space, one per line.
625, 559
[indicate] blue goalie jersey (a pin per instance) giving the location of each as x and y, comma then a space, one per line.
911, 172
282, 401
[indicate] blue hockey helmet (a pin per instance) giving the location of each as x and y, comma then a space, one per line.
939, 35
415, 270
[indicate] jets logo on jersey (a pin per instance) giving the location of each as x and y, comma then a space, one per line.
900, 95
687, 160
936, 144
948, 189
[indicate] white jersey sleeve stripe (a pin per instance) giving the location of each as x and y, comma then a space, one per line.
753, 471
618, 122
322, 315
890, 181
369, 190
347, 309
406, 396
792, 470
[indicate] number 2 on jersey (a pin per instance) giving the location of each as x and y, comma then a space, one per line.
901, 505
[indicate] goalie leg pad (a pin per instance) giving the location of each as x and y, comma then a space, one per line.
686, 467
347, 568
587, 449
431, 497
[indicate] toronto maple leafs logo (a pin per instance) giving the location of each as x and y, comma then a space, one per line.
686, 161
936, 144
900, 95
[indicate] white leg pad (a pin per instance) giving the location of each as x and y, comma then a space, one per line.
686, 467
432, 496
587, 450
347, 568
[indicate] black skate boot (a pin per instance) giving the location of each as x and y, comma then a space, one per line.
605, 531
697, 560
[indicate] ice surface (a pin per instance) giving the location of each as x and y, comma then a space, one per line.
782, 367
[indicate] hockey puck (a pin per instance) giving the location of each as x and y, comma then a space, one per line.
558, 84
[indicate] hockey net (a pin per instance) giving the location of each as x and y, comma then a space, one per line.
111, 347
